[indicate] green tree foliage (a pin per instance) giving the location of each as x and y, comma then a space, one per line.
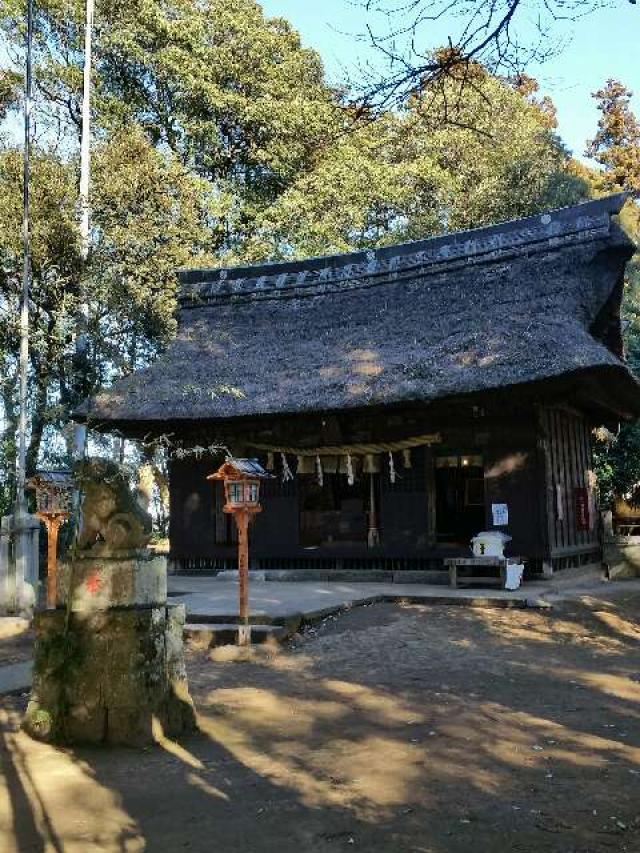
403, 176
616, 147
149, 219
217, 139
54, 243
9, 91
231, 94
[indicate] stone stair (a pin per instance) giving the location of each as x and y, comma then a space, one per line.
207, 631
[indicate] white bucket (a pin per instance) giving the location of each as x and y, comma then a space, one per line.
489, 543
514, 575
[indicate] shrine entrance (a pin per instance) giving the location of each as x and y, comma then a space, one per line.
460, 500
334, 512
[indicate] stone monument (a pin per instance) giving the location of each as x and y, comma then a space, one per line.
19, 538
109, 664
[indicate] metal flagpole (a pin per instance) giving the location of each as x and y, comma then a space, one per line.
21, 504
85, 143
21, 589
80, 432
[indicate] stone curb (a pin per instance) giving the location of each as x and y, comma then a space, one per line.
293, 622
15, 678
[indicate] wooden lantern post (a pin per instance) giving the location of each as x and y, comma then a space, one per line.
242, 522
241, 478
54, 491
52, 522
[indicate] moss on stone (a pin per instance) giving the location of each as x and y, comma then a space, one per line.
108, 677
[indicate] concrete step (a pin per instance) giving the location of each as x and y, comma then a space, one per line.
290, 622
232, 619
208, 635
15, 677
399, 576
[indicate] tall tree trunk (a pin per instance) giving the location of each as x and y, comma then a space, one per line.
8, 440
38, 417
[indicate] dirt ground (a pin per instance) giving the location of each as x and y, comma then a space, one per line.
424, 729
16, 641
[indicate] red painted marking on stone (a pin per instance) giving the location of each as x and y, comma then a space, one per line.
93, 583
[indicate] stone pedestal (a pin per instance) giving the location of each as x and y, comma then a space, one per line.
621, 555
126, 579
109, 666
19, 534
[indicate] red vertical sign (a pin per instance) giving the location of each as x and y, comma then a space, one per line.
583, 521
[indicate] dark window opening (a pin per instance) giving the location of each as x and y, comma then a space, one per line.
334, 512
224, 524
460, 511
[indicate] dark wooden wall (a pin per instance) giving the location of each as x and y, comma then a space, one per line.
568, 466
403, 505
515, 474
276, 528
193, 520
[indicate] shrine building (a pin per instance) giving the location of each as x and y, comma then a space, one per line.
406, 398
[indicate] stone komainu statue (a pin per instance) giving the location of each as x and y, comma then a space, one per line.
112, 519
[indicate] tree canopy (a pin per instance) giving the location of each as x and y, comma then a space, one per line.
616, 147
505, 36
405, 176
218, 140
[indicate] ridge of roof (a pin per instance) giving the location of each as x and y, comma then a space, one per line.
548, 230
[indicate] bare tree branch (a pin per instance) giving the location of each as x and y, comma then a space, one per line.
505, 36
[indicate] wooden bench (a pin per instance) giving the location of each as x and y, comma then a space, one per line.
627, 528
472, 564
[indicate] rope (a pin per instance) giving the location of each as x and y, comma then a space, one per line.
350, 474
286, 471
353, 449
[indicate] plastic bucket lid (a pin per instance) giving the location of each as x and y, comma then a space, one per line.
492, 535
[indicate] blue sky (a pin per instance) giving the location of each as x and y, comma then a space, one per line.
601, 45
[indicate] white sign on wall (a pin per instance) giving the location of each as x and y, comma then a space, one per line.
500, 514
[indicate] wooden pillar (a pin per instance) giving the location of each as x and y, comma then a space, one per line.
244, 629
547, 489
431, 495
52, 522
373, 534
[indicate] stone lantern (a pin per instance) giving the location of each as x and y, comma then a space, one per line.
241, 479
54, 501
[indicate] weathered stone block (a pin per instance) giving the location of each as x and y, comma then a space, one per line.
114, 676
86, 723
97, 582
130, 726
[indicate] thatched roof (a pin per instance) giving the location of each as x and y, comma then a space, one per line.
521, 302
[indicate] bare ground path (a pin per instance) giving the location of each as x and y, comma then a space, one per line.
428, 729
16, 640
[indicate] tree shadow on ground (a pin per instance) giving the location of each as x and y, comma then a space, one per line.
426, 729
